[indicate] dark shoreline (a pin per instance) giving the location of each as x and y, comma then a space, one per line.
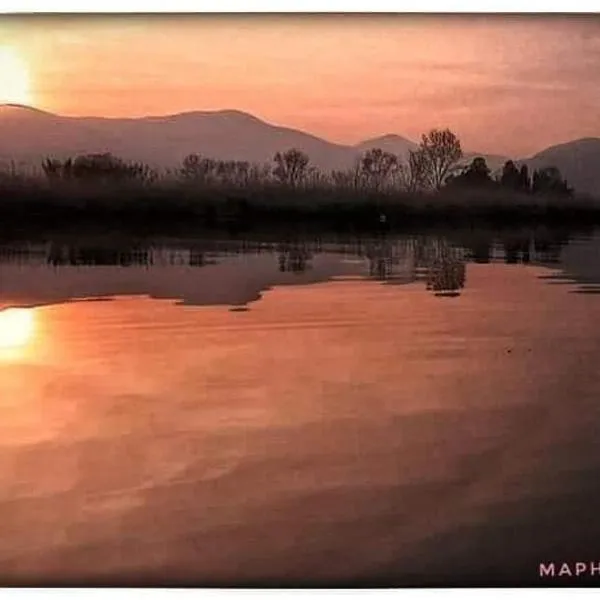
240, 217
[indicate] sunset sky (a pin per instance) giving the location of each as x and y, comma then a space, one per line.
505, 84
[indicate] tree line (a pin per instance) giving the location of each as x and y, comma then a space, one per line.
435, 165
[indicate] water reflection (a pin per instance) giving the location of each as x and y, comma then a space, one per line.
446, 276
17, 329
150, 443
236, 272
293, 258
61, 255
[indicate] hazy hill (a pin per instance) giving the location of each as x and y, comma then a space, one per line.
28, 135
395, 144
578, 161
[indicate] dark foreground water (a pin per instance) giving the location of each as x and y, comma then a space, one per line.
415, 411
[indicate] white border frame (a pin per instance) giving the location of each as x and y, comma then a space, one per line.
271, 6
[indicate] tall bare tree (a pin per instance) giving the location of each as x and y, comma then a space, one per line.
416, 171
377, 167
198, 169
291, 167
442, 151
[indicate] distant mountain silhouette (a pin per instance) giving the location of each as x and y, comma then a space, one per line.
578, 161
395, 144
29, 135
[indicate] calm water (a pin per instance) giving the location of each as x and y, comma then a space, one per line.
412, 411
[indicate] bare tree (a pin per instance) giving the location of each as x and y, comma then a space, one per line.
259, 174
316, 178
399, 176
377, 167
54, 169
357, 175
291, 167
196, 168
416, 171
442, 151
349, 179
510, 175
97, 167
190, 169
342, 179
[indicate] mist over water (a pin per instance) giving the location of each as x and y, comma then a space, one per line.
413, 410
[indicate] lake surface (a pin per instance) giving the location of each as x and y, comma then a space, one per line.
414, 411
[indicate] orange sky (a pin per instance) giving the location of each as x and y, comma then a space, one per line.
509, 85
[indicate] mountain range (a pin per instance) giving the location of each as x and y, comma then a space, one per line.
29, 135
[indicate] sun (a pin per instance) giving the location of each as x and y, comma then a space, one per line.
16, 328
15, 86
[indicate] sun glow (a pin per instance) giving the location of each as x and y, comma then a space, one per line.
16, 328
14, 78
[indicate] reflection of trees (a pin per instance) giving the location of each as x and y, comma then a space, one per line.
548, 246
293, 258
542, 248
59, 255
444, 265
435, 260
516, 251
446, 274
547, 253
380, 268
480, 251
380, 257
197, 258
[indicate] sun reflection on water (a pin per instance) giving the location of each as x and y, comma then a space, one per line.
17, 329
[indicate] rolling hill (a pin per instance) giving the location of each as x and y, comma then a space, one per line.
578, 161
29, 135
395, 144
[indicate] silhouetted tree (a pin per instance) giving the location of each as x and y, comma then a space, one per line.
349, 178
524, 182
477, 174
511, 177
97, 167
478, 171
291, 167
242, 172
315, 178
342, 179
53, 169
196, 168
441, 150
377, 166
259, 174
417, 171
549, 180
